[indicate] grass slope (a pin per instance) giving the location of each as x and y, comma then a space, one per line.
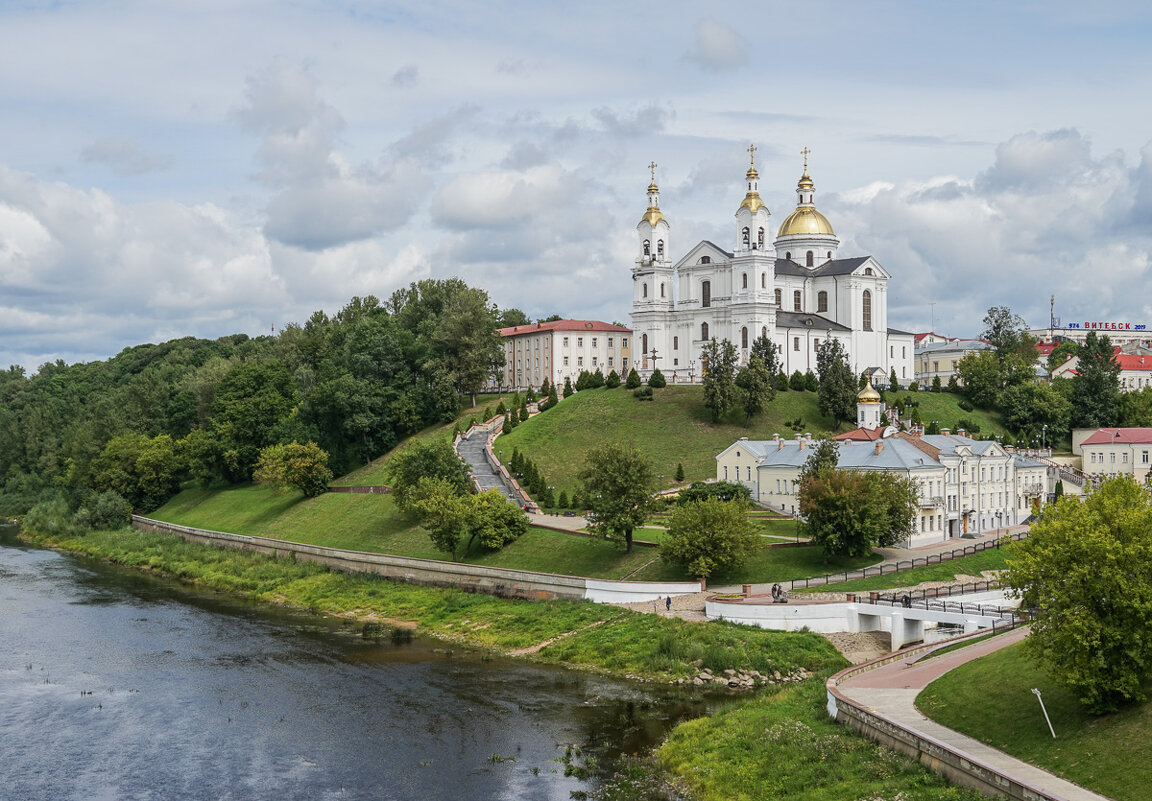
944, 407
991, 700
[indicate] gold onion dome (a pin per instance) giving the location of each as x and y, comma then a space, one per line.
868, 395
752, 202
652, 216
805, 221
805, 181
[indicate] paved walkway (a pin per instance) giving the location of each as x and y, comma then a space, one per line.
472, 449
891, 691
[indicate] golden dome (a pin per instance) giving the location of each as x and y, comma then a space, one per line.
652, 188
868, 394
652, 216
805, 221
752, 202
805, 181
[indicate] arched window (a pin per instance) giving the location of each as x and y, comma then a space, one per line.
647, 248
659, 247
675, 343
796, 305
867, 306
760, 238
705, 259
763, 280
744, 337
868, 271
644, 343
661, 289
779, 300
704, 331
744, 236
744, 280
705, 295
809, 259
645, 291
829, 254
764, 332
788, 255
821, 301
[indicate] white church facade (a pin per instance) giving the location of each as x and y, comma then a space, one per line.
794, 288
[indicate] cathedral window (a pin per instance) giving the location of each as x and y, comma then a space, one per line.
821, 301
706, 295
829, 254
763, 280
661, 290
659, 247
647, 248
867, 306
760, 238
744, 235
788, 255
675, 343
645, 290
809, 260
705, 259
796, 305
779, 300
644, 343
744, 280
868, 271
744, 337
704, 331
796, 344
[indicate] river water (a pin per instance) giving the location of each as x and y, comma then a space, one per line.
118, 685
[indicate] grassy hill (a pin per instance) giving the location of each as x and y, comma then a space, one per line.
675, 427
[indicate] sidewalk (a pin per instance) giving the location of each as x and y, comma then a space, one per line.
891, 690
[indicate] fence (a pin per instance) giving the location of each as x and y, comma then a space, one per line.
896, 567
377, 489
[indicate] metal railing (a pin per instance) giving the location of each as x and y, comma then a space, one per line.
896, 567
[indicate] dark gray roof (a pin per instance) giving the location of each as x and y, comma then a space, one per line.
727, 253
833, 267
902, 333
813, 321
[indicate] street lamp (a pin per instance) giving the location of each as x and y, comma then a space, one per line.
1044, 437
552, 498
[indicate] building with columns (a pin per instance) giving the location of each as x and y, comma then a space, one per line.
793, 287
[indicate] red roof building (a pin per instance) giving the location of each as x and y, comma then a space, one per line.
563, 349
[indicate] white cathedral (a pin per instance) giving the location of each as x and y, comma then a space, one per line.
793, 288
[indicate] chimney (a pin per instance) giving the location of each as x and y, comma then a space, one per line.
879, 447
960, 432
779, 444
945, 431
775, 437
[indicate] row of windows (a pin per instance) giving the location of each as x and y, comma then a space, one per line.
596, 341
1112, 457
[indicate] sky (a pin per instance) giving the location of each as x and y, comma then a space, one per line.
202, 169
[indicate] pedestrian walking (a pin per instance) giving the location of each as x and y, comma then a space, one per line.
668, 603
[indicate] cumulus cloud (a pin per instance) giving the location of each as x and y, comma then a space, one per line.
406, 77
1042, 219
644, 121
323, 201
716, 47
123, 156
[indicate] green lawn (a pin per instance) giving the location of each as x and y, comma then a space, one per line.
944, 407
974, 565
991, 700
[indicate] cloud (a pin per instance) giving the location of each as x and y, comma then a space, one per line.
716, 47
644, 121
406, 77
123, 157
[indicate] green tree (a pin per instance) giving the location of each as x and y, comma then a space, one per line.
1086, 567
466, 346
104, 511
719, 378
657, 380
893, 384
980, 372
936, 385
432, 458
511, 317
848, 512
1028, 407
1135, 409
763, 347
617, 487
145, 471
612, 381
568, 386
1096, 387
796, 381
811, 382
837, 395
442, 510
298, 466
755, 385
1062, 353
633, 381
679, 471
709, 536
718, 490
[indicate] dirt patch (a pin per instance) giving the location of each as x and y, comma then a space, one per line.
861, 647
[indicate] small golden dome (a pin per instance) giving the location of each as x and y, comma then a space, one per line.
868, 394
652, 188
652, 216
752, 175
752, 202
805, 182
805, 221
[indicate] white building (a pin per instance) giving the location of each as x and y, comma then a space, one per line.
941, 358
1109, 452
793, 288
563, 349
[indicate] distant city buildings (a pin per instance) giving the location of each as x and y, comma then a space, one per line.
938, 356
1109, 452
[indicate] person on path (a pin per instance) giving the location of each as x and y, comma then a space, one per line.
668, 603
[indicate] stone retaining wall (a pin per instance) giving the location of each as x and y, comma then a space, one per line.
958, 767
502, 582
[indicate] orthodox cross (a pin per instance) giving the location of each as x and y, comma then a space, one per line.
752, 155
805, 153
654, 357
653, 167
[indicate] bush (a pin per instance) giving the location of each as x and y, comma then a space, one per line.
562, 501
968, 425
966, 405
936, 386
656, 380
104, 511
300, 466
633, 379
642, 393
52, 517
567, 386
596, 379
913, 387
613, 380
811, 382
796, 382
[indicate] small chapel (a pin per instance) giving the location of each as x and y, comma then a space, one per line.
791, 286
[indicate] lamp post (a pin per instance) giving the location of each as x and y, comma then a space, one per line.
1044, 437
552, 498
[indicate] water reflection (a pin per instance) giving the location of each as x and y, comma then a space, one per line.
117, 685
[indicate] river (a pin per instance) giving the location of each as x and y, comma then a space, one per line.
119, 685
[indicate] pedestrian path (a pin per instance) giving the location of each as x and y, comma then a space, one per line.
471, 448
890, 691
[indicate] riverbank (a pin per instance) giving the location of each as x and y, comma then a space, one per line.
725, 756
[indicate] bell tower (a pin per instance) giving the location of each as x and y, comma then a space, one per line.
752, 216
